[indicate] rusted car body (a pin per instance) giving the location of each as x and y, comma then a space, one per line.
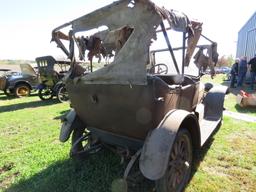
153, 110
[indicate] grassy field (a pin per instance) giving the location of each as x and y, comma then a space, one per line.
32, 158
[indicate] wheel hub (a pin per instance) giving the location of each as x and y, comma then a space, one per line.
23, 91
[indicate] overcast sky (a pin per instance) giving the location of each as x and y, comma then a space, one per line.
26, 25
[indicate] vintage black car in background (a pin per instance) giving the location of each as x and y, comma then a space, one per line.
21, 83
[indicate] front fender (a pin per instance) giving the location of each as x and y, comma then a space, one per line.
158, 144
214, 101
67, 127
58, 85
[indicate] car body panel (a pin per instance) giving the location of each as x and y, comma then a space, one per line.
157, 147
27, 69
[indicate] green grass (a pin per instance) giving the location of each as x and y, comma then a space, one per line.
28, 137
33, 159
230, 160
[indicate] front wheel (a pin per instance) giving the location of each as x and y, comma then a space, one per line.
62, 94
45, 93
179, 167
22, 90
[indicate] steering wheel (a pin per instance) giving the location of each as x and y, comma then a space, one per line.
159, 68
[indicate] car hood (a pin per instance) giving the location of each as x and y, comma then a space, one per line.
27, 69
15, 76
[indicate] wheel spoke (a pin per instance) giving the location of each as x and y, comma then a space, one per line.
176, 150
173, 156
183, 150
62, 94
179, 163
180, 143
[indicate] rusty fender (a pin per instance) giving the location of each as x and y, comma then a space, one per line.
67, 127
158, 144
214, 101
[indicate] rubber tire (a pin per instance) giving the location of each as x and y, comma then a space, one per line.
41, 96
162, 184
79, 130
58, 94
20, 86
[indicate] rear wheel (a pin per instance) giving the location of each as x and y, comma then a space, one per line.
82, 142
45, 93
179, 167
22, 90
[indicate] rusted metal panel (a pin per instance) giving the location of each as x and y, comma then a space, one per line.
123, 109
158, 144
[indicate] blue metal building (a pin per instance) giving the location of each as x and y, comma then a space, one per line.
246, 43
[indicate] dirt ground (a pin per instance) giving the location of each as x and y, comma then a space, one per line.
12, 67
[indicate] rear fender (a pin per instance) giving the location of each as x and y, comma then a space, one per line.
67, 125
158, 144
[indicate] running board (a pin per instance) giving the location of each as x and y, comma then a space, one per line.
210, 111
207, 128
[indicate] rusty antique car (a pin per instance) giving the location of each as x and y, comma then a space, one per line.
144, 100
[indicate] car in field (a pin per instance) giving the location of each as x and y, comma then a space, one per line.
222, 70
144, 105
21, 83
51, 72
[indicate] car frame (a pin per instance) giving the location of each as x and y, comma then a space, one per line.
158, 117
